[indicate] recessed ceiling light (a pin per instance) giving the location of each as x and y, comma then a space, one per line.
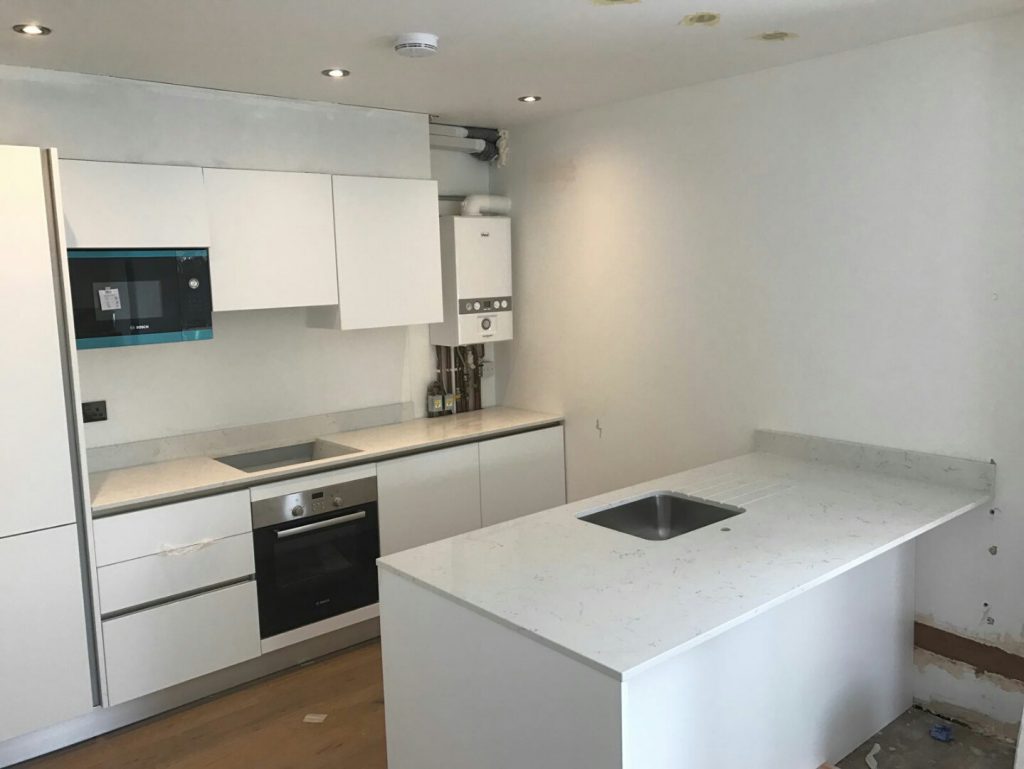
529, 99
336, 73
777, 36
32, 30
703, 19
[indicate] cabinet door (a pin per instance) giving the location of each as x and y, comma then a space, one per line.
169, 644
271, 239
427, 497
389, 253
131, 205
35, 453
521, 474
44, 653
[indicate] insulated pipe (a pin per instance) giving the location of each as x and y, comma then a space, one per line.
455, 143
478, 205
459, 132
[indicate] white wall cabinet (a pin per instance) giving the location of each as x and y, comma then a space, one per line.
169, 644
44, 652
521, 474
131, 205
427, 497
271, 239
389, 254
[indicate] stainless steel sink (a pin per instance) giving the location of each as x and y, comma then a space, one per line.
661, 515
283, 456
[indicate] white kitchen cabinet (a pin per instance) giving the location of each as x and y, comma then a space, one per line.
170, 528
156, 648
271, 239
132, 205
158, 577
44, 651
521, 474
35, 455
427, 497
389, 254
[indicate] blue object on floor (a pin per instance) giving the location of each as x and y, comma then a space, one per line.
941, 732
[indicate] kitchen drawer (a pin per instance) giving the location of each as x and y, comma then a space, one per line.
167, 645
159, 529
156, 577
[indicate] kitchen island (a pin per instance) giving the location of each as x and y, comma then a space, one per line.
780, 637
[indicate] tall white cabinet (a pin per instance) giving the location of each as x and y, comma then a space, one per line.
44, 655
45, 674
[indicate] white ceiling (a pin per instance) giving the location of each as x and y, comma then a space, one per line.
574, 53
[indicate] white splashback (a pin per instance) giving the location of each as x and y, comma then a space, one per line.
259, 367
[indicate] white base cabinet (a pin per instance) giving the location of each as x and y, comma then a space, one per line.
427, 497
44, 652
521, 474
156, 648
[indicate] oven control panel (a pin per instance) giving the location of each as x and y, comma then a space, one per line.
312, 502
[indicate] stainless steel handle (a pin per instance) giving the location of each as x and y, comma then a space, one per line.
321, 525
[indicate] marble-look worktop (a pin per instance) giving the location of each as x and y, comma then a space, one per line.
115, 491
814, 510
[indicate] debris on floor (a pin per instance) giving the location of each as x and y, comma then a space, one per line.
920, 740
314, 718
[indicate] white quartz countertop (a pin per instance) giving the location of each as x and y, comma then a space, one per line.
129, 488
621, 603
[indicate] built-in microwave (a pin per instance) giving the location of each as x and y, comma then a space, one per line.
124, 297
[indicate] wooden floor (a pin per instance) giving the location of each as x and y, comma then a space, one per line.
258, 726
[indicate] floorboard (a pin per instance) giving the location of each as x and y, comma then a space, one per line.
259, 725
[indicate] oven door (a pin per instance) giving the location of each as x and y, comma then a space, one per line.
128, 297
316, 567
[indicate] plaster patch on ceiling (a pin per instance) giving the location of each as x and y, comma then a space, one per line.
701, 19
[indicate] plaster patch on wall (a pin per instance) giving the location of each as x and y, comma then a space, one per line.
989, 703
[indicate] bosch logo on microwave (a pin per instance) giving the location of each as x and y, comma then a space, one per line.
140, 327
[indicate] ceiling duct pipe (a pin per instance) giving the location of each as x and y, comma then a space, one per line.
456, 144
479, 205
481, 143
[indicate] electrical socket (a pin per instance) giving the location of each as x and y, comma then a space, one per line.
94, 411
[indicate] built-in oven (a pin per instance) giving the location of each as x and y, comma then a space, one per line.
316, 553
131, 296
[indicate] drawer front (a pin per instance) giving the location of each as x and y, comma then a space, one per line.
171, 527
167, 645
157, 577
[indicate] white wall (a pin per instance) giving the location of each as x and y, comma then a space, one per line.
832, 247
261, 366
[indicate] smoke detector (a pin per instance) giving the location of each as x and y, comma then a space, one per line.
416, 45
